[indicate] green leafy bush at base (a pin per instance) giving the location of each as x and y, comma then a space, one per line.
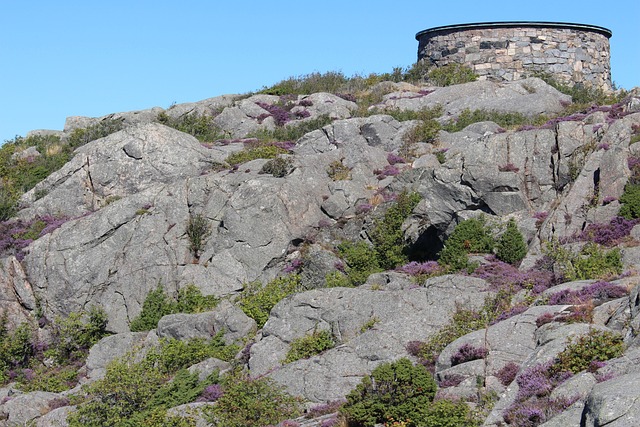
82, 136
309, 345
361, 259
511, 247
260, 152
73, 337
198, 229
394, 391
591, 262
257, 301
199, 125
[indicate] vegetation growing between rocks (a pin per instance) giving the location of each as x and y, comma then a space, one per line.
257, 301
400, 393
82, 136
511, 247
199, 125
310, 345
158, 304
469, 236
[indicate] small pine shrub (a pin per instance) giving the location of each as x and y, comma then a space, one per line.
361, 260
451, 74
387, 234
257, 301
511, 247
394, 391
630, 201
469, 236
310, 345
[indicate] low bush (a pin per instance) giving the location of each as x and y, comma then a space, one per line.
105, 127
596, 345
608, 234
337, 171
199, 125
257, 301
361, 261
278, 167
394, 391
451, 74
73, 336
251, 402
158, 304
591, 262
310, 345
265, 151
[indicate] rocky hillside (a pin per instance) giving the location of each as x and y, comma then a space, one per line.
298, 243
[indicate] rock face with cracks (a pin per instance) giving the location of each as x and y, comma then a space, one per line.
128, 199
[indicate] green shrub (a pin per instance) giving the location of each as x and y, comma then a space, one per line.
278, 167
469, 236
394, 391
54, 379
595, 346
16, 347
591, 262
427, 131
630, 201
260, 152
387, 234
447, 413
73, 336
331, 82
511, 247
337, 171
581, 94
505, 120
198, 229
292, 131
361, 260
126, 390
251, 402
451, 74
200, 126
157, 304
173, 355
257, 301
309, 345
82, 136
337, 279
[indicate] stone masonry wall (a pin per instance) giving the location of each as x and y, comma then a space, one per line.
571, 55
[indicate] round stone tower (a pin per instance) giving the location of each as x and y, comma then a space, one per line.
571, 53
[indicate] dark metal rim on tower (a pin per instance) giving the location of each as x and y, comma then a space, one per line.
513, 24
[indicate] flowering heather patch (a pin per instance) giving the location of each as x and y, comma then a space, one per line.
599, 290
608, 234
509, 167
302, 114
285, 145
15, 235
290, 423
502, 275
305, 103
603, 146
416, 269
330, 422
513, 311
279, 114
394, 158
508, 373
452, 380
211, 393
363, 208
325, 408
467, 353
414, 348
540, 216
544, 319
389, 170
608, 199
294, 265
346, 96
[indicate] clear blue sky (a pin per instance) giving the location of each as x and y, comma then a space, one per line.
91, 58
